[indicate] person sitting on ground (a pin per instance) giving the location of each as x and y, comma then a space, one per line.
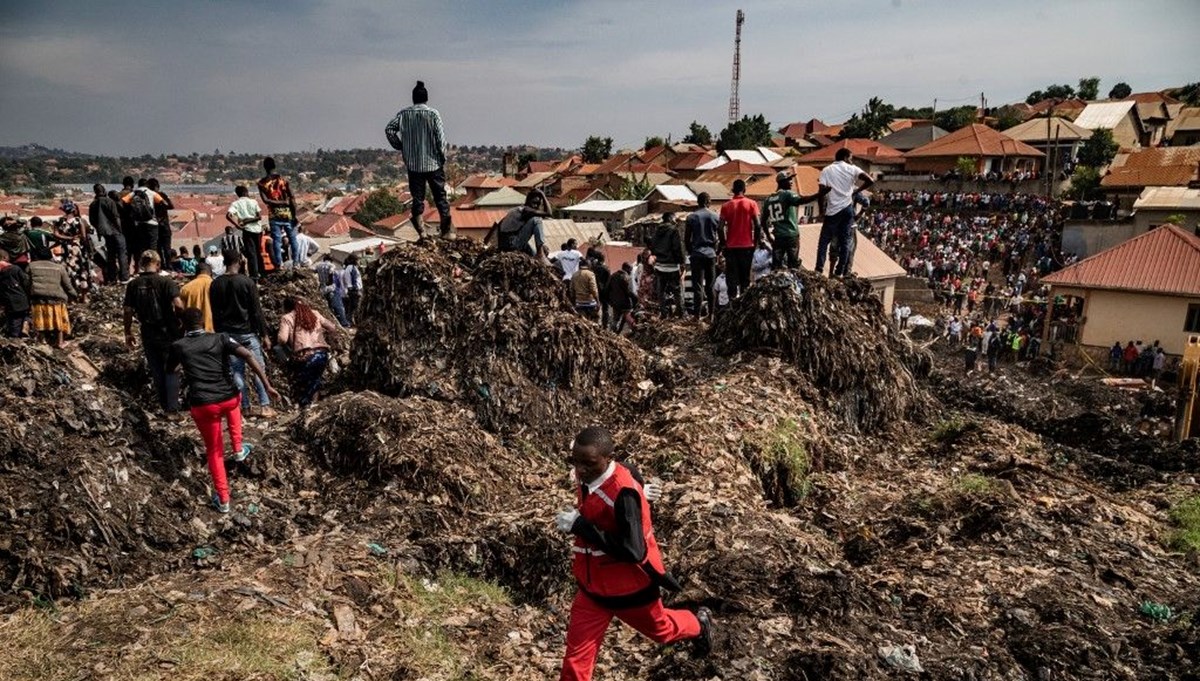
187, 264
302, 331
216, 264
617, 565
49, 290
585, 292
14, 297
213, 396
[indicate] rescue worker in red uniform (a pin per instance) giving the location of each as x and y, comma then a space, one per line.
616, 560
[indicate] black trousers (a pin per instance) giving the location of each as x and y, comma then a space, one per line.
164, 242
737, 270
252, 249
704, 275
116, 258
786, 252
436, 181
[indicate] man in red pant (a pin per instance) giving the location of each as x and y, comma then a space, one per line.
617, 563
213, 396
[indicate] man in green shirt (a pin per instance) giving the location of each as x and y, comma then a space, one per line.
779, 212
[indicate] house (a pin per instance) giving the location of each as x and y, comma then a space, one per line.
912, 136
1155, 117
873, 157
1124, 299
469, 223
1184, 129
717, 192
1119, 117
367, 248
870, 263
330, 225
614, 214
1156, 204
1162, 167
476, 186
991, 151
804, 182
687, 165
1066, 108
1055, 136
663, 196
504, 197
558, 232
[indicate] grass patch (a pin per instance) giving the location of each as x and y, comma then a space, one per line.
195, 644
974, 484
1186, 517
783, 462
425, 645
951, 429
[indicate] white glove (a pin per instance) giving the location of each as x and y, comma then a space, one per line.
566, 520
653, 491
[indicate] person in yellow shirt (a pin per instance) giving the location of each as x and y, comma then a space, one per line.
195, 293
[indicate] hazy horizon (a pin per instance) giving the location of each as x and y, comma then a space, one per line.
273, 78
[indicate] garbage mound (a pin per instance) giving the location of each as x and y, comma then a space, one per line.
837, 334
492, 330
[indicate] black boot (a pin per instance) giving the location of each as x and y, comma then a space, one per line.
418, 223
446, 230
702, 645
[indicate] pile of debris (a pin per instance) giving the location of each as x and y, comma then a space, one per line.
448, 322
836, 333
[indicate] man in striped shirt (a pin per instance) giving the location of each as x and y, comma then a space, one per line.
417, 132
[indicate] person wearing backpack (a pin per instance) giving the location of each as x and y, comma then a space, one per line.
163, 218
142, 203
153, 300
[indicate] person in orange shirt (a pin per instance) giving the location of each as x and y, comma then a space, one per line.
194, 294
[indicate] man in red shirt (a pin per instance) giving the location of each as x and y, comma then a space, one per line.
616, 561
740, 231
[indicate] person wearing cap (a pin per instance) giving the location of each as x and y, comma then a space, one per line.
838, 184
105, 217
779, 211
216, 264
417, 132
521, 224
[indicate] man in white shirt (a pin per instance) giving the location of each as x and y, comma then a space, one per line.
245, 214
838, 184
568, 259
306, 246
215, 262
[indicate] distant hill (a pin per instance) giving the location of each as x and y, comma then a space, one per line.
36, 150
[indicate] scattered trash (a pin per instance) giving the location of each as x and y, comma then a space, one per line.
903, 658
1155, 611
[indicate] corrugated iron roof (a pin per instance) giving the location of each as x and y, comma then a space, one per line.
330, 224
869, 262
869, 150
1163, 166
975, 140
1163, 260
675, 192
560, 231
716, 190
1034, 130
1104, 114
1168, 198
504, 196
912, 136
599, 206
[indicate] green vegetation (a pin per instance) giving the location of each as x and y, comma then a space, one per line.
1085, 183
1099, 149
956, 118
653, 141
951, 429
871, 122
379, 204
974, 484
698, 134
1089, 88
748, 133
783, 462
1120, 91
596, 149
1186, 516
1063, 91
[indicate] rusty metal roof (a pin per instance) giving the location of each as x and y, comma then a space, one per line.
1163, 260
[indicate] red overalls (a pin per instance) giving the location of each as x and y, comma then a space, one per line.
609, 579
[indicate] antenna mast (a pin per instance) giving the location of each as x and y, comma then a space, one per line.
734, 101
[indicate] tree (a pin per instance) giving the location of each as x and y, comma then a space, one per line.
1035, 97
596, 149
966, 166
1051, 92
1189, 94
379, 204
653, 141
633, 188
871, 122
698, 134
1089, 88
525, 159
1099, 149
953, 119
747, 133
1120, 91
1085, 183
1007, 117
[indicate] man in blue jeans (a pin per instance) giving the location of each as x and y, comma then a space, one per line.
838, 183
417, 132
236, 312
275, 191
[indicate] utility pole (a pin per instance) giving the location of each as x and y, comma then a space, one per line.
734, 99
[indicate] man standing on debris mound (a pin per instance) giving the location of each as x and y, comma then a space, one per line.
417, 132
617, 564
838, 185
213, 396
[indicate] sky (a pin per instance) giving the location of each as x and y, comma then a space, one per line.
182, 76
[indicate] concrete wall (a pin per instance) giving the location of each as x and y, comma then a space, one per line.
1145, 219
1126, 133
1087, 238
908, 183
1122, 316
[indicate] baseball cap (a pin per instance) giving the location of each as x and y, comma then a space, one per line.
213, 250
783, 176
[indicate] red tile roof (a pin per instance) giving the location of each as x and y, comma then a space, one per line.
615, 163
690, 160
543, 166
1151, 98
868, 150
1163, 260
350, 206
488, 181
330, 224
467, 219
1162, 167
1063, 108
974, 140
804, 181
800, 130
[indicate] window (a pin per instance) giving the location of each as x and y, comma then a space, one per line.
1192, 323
